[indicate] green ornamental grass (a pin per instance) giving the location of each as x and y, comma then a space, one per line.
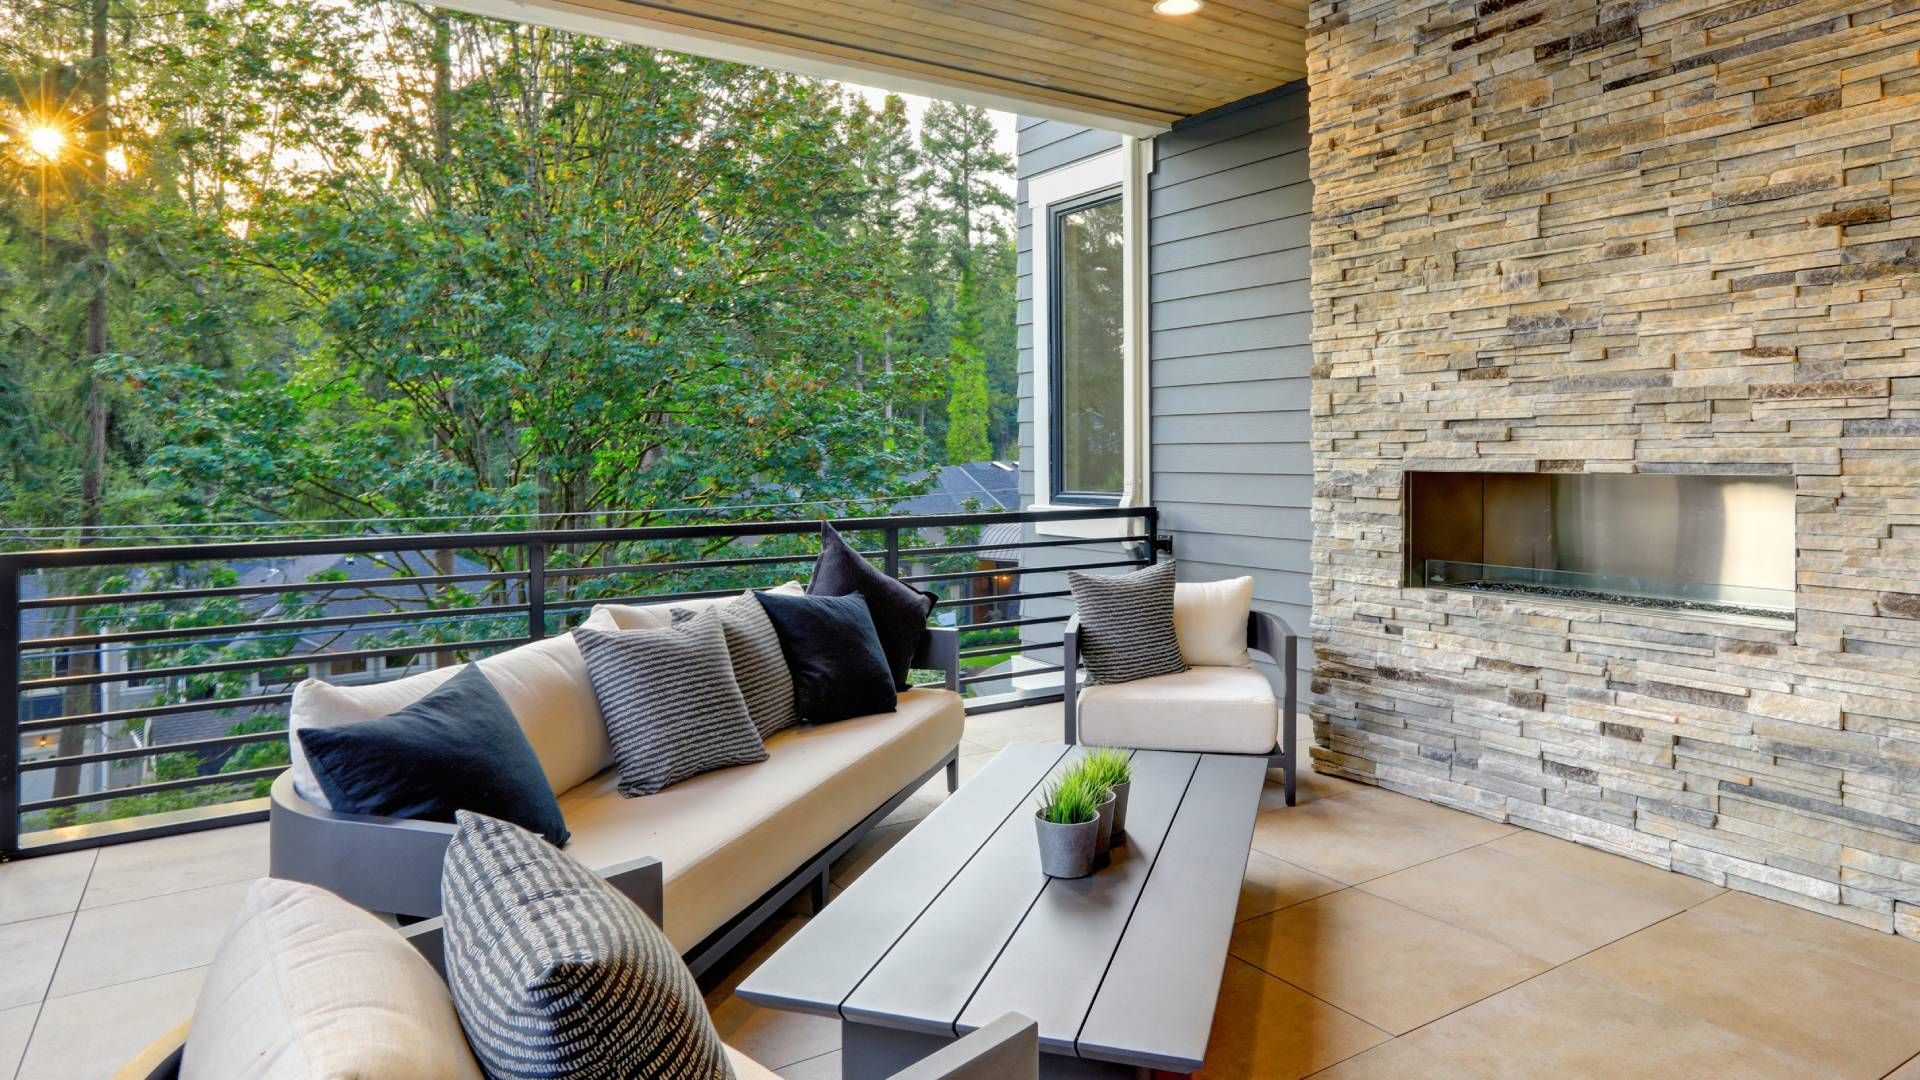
1072, 799
1108, 767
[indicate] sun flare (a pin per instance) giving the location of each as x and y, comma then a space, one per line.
45, 143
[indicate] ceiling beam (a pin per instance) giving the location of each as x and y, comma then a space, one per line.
659, 27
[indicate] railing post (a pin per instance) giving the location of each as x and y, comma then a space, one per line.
893, 551
10, 700
536, 589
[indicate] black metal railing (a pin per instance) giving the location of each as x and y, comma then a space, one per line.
101, 652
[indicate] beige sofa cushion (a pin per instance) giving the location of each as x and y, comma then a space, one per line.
308, 986
726, 837
1210, 619
655, 616
1212, 710
544, 683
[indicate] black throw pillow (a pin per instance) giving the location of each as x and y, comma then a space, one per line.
899, 610
839, 669
458, 748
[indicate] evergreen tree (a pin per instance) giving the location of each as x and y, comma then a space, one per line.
967, 420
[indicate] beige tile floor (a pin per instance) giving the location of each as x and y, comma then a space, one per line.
1379, 937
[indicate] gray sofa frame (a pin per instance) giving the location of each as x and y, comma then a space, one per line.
1006, 1049
392, 865
1266, 634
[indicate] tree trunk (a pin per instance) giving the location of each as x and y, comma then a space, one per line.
81, 700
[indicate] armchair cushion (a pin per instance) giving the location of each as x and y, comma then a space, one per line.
1209, 710
457, 748
899, 610
305, 985
1210, 619
556, 974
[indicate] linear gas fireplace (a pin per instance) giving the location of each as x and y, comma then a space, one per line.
1714, 546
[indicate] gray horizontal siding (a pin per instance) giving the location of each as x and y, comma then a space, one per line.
1230, 345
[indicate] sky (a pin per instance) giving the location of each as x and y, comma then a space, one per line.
1005, 140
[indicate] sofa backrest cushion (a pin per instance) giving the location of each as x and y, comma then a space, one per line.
1210, 619
458, 748
655, 616
555, 973
306, 985
544, 683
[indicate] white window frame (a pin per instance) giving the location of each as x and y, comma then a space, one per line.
1128, 168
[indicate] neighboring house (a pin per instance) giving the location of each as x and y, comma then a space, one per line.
976, 487
1173, 274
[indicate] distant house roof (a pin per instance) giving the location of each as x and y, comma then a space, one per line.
1005, 537
991, 485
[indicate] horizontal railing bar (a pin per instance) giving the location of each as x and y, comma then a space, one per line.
272, 626
1036, 621
155, 750
1022, 545
240, 777
264, 662
690, 564
172, 708
969, 680
262, 590
58, 558
1001, 598
1021, 570
639, 601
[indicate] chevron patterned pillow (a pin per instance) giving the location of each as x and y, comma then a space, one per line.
672, 707
555, 974
1126, 624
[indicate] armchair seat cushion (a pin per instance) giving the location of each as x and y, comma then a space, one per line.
724, 838
1211, 710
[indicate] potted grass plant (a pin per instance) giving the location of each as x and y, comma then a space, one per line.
1068, 825
1113, 769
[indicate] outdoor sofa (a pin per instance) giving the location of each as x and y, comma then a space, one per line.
736, 844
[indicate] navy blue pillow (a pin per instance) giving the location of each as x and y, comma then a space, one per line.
839, 669
458, 748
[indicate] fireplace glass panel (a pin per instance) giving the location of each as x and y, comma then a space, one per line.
1708, 545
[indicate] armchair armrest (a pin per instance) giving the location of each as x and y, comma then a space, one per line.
939, 650
1070, 677
1006, 1049
642, 881
1270, 634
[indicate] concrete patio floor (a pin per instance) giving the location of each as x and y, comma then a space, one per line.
1380, 936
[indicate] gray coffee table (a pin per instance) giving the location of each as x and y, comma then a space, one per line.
956, 925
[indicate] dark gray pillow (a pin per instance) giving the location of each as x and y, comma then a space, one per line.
555, 974
839, 669
898, 610
1126, 624
671, 704
758, 666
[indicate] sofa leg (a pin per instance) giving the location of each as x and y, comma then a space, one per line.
817, 892
1286, 772
953, 775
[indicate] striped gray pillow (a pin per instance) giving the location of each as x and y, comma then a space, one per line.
758, 665
1126, 624
672, 707
555, 974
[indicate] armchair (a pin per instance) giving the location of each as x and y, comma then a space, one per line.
1206, 709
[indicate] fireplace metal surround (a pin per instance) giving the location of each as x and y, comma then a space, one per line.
1712, 546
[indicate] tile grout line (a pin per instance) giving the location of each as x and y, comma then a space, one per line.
45, 991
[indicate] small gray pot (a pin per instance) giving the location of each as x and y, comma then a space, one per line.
1104, 841
1066, 851
1120, 810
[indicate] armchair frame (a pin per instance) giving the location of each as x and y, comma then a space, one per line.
1267, 634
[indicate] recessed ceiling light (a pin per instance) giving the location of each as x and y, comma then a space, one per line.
1175, 7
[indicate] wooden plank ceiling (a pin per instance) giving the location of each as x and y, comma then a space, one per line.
1110, 62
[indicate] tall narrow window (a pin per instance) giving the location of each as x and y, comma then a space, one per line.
1089, 420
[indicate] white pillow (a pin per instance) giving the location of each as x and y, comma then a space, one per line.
1210, 619
308, 987
544, 683
660, 615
